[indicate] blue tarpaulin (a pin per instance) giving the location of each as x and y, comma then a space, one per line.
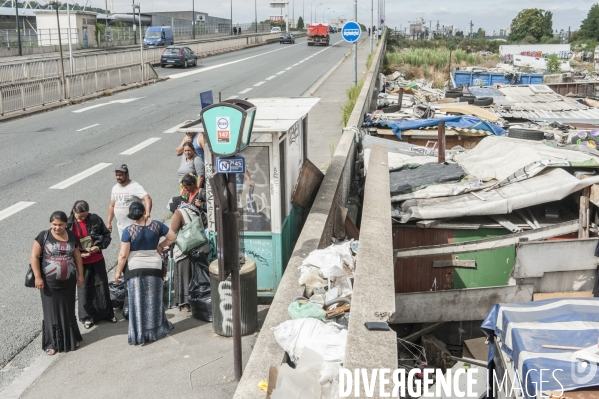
465, 122
525, 327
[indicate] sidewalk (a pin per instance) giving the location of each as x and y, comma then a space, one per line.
106, 366
324, 120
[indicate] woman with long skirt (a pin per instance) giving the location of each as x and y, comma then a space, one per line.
140, 249
94, 295
61, 269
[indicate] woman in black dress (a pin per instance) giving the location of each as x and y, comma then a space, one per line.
61, 270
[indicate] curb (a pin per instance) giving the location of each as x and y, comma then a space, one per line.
28, 376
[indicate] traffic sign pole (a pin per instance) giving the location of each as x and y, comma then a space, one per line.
351, 33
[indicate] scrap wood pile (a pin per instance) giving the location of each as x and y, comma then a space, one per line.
316, 334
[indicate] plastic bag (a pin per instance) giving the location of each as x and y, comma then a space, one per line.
310, 277
301, 310
326, 339
118, 293
199, 288
331, 260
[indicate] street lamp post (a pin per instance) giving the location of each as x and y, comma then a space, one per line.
193, 19
330, 16
18, 29
141, 57
231, 33
323, 11
315, 10
56, 5
256, 15
134, 36
311, 20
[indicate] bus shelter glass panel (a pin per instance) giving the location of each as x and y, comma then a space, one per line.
253, 190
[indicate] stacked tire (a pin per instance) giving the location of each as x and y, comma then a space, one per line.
526, 134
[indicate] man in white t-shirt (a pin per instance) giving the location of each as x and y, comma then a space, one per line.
125, 192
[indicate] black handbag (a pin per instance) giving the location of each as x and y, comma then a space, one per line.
29, 276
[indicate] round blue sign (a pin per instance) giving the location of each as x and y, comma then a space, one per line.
351, 31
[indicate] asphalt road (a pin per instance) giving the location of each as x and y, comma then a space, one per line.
43, 150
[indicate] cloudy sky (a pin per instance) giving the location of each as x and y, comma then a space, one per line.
490, 15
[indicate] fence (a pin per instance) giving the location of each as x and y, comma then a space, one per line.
41, 37
23, 96
48, 68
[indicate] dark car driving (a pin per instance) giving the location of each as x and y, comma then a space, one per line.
286, 38
178, 56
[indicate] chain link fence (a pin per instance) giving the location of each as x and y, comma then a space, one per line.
41, 37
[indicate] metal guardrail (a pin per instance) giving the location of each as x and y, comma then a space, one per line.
23, 96
36, 38
48, 68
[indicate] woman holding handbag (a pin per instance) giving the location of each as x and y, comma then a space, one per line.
58, 268
140, 248
183, 213
94, 296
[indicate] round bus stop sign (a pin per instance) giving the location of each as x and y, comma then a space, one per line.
351, 31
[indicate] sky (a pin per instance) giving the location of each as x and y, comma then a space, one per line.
490, 15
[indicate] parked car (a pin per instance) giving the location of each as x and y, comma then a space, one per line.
275, 29
159, 36
178, 56
286, 38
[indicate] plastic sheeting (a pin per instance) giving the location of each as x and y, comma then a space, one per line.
466, 122
508, 159
443, 190
398, 160
549, 185
410, 180
525, 327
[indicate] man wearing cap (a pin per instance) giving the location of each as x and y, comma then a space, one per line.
123, 194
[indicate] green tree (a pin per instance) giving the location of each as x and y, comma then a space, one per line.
459, 34
590, 25
553, 64
529, 40
480, 34
528, 22
300, 23
548, 24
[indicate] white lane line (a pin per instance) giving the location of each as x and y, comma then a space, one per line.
184, 74
245, 90
271, 77
279, 73
140, 146
80, 176
152, 105
174, 128
89, 127
259, 83
125, 101
230, 98
288, 68
11, 210
296, 64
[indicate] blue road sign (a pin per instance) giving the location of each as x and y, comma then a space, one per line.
234, 164
351, 31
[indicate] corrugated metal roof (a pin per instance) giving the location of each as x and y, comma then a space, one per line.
528, 104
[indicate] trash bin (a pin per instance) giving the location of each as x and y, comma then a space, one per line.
222, 299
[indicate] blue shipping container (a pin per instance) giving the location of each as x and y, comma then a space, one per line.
490, 79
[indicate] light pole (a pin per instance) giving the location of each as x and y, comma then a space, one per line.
56, 5
134, 36
256, 15
69, 35
315, 10
18, 29
193, 19
323, 11
141, 57
330, 16
311, 21
231, 32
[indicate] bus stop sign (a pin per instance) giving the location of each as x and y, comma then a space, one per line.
351, 32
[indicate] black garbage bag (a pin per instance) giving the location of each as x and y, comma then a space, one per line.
199, 288
126, 307
118, 293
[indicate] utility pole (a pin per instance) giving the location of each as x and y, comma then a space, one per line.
256, 15
64, 86
69, 34
471, 26
193, 19
18, 29
231, 33
134, 36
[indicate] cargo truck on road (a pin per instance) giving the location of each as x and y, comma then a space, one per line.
318, 34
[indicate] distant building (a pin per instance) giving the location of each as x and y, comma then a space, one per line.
338, 22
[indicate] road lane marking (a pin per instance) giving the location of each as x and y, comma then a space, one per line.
279, 73
245, 90
80, 176
152, 105
89, 127
184, 74
231, 97
296, 64
288, 68
11, 210
140, 146
271, 77
125, 101
174, 128
259, 83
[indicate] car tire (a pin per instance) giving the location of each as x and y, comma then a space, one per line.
469, 100
483, 101
185, 64
162, 65
453, 94
526, 134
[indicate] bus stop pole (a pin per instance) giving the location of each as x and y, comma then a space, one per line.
235, 284
356, 46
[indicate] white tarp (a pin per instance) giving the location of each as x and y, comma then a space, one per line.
501, 157
397, 160
444, 190
551, 185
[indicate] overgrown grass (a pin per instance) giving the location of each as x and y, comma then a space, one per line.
352, 97
369, 60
